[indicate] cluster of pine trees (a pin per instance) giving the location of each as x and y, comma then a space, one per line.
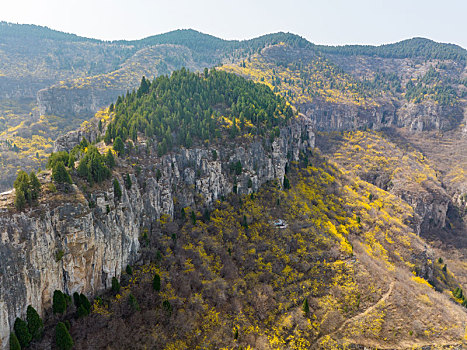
185, 107
27, 188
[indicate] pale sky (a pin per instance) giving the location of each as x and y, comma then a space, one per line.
330, 22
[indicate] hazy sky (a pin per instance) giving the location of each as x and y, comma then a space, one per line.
320, 21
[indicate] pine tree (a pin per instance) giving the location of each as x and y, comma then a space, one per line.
156, 282
76, 299
129, 270
286, 183
22, 332
63, 338
109, 159
20, 200
82, 312
60, 174
14, 342
84, 301
35, 324
127, 180
117, 189
118, 146
115, 285
306, 307
34, 186
59, 302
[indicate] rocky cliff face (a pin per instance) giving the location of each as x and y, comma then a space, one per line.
65, 244
65, 102
424, 116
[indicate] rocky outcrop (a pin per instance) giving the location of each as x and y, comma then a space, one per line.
430, 207
428, 115
326, 116
424, 116
69, 102
77, 243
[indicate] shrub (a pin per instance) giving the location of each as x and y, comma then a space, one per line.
68, 299
22, 332
63, 338
59, 255
35, 324
59, 302
167, 306
156, 282
133, 302
82, 312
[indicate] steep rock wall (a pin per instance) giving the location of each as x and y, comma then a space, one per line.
98, 242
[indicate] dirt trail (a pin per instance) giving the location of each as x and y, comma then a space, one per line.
364, 313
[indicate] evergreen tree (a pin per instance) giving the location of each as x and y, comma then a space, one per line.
286, 183
20, 200
34, 186
76, 299
306, 307
129, 270
115, 285
84, 301
118, 146
109, 159
127, 181
117, 190
82, 312
156, 282
60, 174
22, 332
35, 324
193, 217
59, 302
63, 338
14, 342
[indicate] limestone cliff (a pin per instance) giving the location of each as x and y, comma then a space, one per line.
77, 242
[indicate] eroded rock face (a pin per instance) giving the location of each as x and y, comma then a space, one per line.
424, 116
66, 245
70, 103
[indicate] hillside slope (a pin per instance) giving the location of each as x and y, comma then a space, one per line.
242, 221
